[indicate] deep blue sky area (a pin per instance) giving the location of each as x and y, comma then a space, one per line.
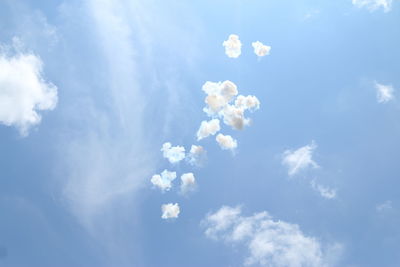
91, 90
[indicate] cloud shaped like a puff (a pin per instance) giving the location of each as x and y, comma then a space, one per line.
226, 142
188, 182
233, 46
384, 93
260, 49
163, 181
208, 128
173, 153
170, 211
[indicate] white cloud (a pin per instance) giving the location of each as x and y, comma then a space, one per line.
219, 94
299, 159
373, 5
170, 211
208, 128
226, 141
163, 181
383, 207
23, 90
173, 153
324, 191
260, 49
269, 242
232, 46
188, 182
384, 93
196, 156
218, 99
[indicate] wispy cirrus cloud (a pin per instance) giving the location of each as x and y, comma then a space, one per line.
384, 93
373, 5
299, 159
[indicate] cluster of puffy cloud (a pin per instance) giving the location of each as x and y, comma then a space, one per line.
384, 93
23, 90
373, 5
170, 211
164, 181
269, 242
223, 102
233, 47
300, 160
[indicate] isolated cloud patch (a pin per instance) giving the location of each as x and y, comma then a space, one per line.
260, 49
299, 159
226, 142
324, 191
170, 211
384, 93
163, 181
208, 128
196, 156
23, 90
188, 182
173, 153
268, 242
373, 5
219, 94
233, 46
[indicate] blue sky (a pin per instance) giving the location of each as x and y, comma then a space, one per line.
91, 90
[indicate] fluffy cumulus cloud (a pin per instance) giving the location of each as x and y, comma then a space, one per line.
233, 46
163, 181
226, 141
384, 93
23, 90
324, 191
170, 211
269, 242
218, 101
208, 128
373, 5
260, 49
299, 159
188, 182
173, 153
196, 156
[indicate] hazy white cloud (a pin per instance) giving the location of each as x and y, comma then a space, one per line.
170, 211
196, 156
226, 141
23, 90
373, 5
260, 49
384, 93
324, 191
249, 102
208, 128
269, 242
188, 182
232, 46
163, 181
173, 153
299, 159
383, 207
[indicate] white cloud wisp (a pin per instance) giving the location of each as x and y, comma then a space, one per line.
384, 93
373, 5
299, 159
188, 183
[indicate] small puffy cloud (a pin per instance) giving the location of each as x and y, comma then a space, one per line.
170, 211
384, 93
268, 242
163, 181
208, 128
226, 141
173, 153
23, 90
232, 46
260, 49
196, 156
373, 5
299, 159
188, 182
249, 102
324, 191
